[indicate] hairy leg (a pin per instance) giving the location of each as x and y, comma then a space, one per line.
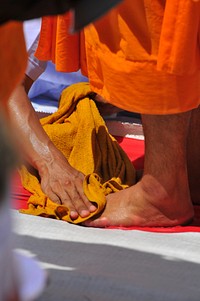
193, 156
161, 197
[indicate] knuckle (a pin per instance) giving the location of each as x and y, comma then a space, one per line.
56, 200
67, 182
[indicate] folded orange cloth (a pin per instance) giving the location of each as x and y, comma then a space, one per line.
80, 133
143, 56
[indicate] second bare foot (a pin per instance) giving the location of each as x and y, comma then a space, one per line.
145, 204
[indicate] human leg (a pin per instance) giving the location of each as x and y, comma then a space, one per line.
161, 197
193, 156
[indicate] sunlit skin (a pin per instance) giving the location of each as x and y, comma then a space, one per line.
61, 187
164, 195
45, 159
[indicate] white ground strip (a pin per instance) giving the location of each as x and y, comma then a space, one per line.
125, 129
86, 264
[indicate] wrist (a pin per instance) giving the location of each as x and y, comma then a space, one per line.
48, 158
44, 157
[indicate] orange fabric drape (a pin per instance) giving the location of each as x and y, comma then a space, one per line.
57, 44
179, 51
143, 55
13, 58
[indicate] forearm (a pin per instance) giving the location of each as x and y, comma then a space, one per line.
59, 180
32, 140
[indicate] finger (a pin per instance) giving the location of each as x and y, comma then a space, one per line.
52, 196
66, 200
50, 193
77, 202
90, 206
79, 186
59, 196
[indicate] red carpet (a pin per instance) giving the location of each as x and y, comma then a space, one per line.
135, 150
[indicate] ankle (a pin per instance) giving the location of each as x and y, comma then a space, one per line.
153, 188
171, 197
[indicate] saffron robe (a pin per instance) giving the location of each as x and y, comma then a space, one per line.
143, 56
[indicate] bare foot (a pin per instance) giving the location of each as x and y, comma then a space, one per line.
162, 197
145, 204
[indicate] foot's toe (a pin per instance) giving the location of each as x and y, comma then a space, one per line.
101, 222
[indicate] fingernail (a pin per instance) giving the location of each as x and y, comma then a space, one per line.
73, 214
93, 208
84, 213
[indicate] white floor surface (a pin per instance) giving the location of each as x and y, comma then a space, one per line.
86, 264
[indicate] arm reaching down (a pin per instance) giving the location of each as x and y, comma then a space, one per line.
65, 188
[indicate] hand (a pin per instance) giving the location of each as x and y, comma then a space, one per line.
59, 181
64, 185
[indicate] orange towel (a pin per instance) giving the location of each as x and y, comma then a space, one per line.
13, 57
143, 56
79, 132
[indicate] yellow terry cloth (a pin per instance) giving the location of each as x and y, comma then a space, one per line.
78, 130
